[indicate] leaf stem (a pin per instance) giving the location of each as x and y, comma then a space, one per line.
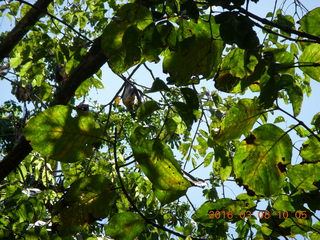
299, 122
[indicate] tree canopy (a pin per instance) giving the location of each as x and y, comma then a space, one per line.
227, 103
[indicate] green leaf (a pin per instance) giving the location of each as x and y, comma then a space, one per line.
87, 200
112, 46
191, 97
316, 121
121, 40
226, 82
171, 126
186, 113
237, 29
239, 120
234, 207
294, 92
162, 169
310, 22
283, 204
208, 159
310, 150
16, 61
195, 54
260, 160
310, 56
237, 65
222, 165
86, 85
126, 226
131, 44
146, 109
286, 21
58, 135
152, 44
135, 14
279, 119
158, 85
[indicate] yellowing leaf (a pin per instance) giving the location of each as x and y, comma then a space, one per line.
305, 176
126, 226
87, 200
311, 55
310, 150
56, 134
260, 160
158, 164
239, 120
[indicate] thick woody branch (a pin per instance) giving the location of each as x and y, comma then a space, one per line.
89, 65
21, 29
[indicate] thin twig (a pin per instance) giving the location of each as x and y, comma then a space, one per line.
276, 25
59, 20
299, 122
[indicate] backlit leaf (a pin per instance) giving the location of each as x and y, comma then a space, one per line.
239, 120
310, 150
310, 56
58, 135
126, 226
121, 38
147, 109
195, 54
234, 207
87, 200
310, 22
260, 160
158, 164
158, 85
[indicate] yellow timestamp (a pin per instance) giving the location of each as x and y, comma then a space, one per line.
263, 214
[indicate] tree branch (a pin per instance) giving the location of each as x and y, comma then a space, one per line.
272, 24
89, 65
23, 26
59, 20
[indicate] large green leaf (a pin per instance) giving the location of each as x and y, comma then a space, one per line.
310, 22
310, 56
239, 120
222, 163
87, 200
196, 53
121, 40
310, 150
237, 29
186, 113
305, 176
112, 45
147, 109
126, 226
157, 86
158, 164
56, 134
152, 43
229, 210
237, 65
294, 92
191, 97
260, 160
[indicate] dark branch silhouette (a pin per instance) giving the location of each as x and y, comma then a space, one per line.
23, 26
89, 65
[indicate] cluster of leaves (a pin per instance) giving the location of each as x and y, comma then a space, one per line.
77, 177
